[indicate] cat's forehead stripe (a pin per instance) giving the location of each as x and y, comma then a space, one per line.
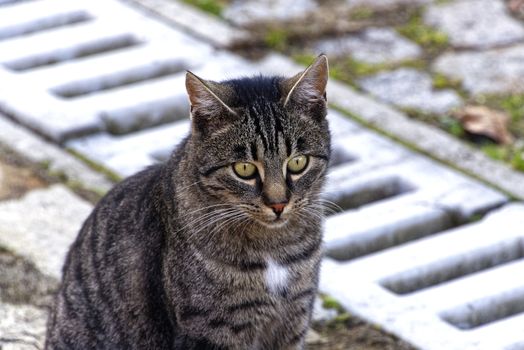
268, 123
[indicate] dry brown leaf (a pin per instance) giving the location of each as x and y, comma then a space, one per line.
480, 120
516, 5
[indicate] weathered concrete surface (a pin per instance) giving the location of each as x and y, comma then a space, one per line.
409, 88
386, 4
22, 327
42, 225
372, 45
249, 12
39, 151
22, 283
486, 72
475, 23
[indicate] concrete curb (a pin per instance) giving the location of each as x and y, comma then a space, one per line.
37, 150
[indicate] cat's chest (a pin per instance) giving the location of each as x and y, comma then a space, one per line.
276, 277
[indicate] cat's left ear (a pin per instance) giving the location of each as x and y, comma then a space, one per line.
308, 86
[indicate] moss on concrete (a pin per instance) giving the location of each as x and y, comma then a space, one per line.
214, 7
432, 40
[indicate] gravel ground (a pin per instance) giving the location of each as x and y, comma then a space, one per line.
355, 334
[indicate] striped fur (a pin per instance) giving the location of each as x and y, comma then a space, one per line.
185, 255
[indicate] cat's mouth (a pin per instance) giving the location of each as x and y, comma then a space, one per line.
274, 222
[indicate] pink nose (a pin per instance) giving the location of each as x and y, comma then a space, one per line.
278, 208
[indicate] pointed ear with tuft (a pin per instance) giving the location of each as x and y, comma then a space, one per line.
209, 104
309, 86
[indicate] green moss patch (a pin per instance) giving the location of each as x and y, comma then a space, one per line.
277, 38
431, 39
215, 7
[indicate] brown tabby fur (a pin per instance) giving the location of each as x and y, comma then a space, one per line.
187, 255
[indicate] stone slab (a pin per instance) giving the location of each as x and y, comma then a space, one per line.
386, 4
22, 327
417, 290
44, 236
372, 45
249, 12
409, 88
498, 71
475, 23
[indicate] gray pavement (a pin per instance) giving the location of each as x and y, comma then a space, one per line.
425, 250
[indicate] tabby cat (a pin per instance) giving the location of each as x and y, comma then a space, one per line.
218, 248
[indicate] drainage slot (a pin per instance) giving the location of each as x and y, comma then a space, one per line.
487, 310
136, 75
95, 47
452, 268
340, 156
45, 23
11, 2
358, 194
390, 230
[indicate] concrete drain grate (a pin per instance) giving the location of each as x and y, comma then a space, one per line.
87, 72
402, 252
455, 289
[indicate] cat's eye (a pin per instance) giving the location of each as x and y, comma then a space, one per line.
297, 164
245, 170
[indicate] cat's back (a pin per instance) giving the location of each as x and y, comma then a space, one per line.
118, 250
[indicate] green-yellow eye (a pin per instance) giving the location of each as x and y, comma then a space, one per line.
245, 170
297, 164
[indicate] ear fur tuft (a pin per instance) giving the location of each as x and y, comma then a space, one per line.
308, 85
207, 96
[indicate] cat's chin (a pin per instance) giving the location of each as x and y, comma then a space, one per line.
273, 224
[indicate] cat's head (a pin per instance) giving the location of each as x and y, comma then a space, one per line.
260, 146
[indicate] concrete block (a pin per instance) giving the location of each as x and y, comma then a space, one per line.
497, 71
372, 45
475, 23
385, 4
22, 327
246, 13
44, 236
409, 88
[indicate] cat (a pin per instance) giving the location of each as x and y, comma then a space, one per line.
219, 247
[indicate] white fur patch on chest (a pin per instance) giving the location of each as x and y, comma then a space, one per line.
276, 276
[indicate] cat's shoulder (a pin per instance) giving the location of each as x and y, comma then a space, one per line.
135, 188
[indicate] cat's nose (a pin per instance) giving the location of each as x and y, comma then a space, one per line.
278, 208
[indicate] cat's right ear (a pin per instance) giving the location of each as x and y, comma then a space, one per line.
209, 103
307, 87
